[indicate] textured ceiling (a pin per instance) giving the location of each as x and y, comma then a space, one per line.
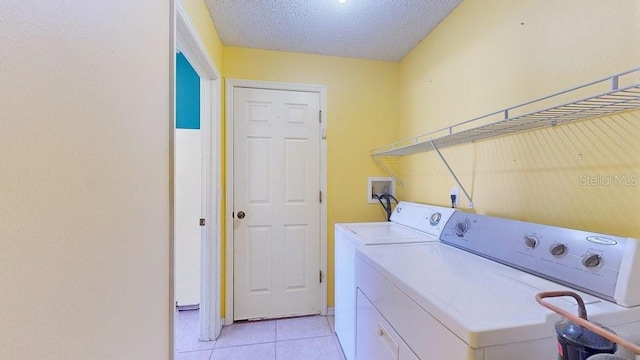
371, 29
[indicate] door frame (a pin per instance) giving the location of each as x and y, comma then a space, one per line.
321, 90
192, 47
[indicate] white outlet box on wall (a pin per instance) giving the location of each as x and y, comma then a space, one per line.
378, 186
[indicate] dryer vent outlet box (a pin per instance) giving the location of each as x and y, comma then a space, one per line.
378, 186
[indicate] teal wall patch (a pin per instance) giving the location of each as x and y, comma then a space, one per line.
187, 95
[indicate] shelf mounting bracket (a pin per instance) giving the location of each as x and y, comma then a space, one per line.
446, 164
387, 170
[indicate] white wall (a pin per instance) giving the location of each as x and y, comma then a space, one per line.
85, 113
188, 176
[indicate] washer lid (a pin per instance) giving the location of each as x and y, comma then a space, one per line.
385, 233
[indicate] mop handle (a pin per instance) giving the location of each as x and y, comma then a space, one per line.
583, 321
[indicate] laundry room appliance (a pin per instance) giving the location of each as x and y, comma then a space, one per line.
409, 223
472, 296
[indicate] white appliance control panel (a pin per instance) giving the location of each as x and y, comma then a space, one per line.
427, 218
606, 266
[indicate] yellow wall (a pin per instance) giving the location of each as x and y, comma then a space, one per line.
361, 111
201, 18
492, 54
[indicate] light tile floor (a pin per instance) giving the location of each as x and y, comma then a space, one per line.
301, 338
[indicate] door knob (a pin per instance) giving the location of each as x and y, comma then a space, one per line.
241, 214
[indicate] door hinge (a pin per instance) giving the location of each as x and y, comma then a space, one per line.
320, 195
320, 275
320, 116
202, 222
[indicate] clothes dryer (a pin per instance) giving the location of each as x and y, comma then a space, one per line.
472, 296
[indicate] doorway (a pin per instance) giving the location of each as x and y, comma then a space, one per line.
188, 186
276, 191
194, 51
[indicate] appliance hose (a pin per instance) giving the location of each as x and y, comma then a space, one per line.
582, 318
387, 208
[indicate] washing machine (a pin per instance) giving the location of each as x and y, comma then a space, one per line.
409, 223
472, 295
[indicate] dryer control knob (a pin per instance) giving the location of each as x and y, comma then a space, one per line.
591, 260
531, 241
461, 227
558, 249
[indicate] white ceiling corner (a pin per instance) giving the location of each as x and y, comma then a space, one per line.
371, 29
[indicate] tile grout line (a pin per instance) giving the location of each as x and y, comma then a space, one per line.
239, 345
275, 346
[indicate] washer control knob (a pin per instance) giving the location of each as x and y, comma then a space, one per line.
558, 249
461, 227
531, 241
591, 260
434, 219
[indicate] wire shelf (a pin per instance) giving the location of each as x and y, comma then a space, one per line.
615, 100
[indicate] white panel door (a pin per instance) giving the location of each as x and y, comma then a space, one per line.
276, 167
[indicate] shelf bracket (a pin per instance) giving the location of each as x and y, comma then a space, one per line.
387, 170
444, 161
